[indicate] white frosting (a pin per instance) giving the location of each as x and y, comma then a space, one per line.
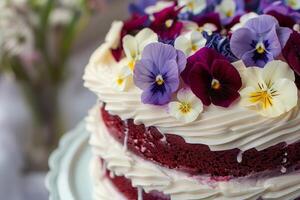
102, 187
180, 186
219, 128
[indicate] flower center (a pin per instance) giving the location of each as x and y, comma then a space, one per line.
194, 47
260, 48
264, 95
292, 3
215, 84
169, 23
131, 64
229, 13
191, 5
120, 80
185, 107
159, 80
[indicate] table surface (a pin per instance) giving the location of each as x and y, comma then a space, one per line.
69, 178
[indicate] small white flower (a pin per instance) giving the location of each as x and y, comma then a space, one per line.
190, 43
193, 6
243, 20
271, 91
134, 45
159, 6
226, 8
122, 76
188, 108
114, 34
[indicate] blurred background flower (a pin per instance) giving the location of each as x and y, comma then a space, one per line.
44, 47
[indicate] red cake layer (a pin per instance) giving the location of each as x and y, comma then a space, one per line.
173, 152
124, 186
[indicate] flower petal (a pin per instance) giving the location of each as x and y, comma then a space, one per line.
245, 97
130, 46
171, 75
261, 24
285, 101
144, 74
276, 70
150, 96
145, 37
159, 53
181, 60
184, 44
224, 97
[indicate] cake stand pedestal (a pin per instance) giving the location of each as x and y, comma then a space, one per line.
69, 177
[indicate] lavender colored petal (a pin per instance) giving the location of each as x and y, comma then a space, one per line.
156, 98
240, 42
181, 60
171, 75
250, 62
283, 35
274, 44
144, 74
159, 53
261, 24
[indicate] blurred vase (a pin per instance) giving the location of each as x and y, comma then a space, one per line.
48, 125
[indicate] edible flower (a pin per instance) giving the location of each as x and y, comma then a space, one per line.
190, 42
291, 53
122, 76
212, 78
192, 6
166, 24
158, 73
259, 41
229, 9
271, 91
134, 45
187, 108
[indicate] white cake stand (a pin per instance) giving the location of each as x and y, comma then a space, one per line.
69, 177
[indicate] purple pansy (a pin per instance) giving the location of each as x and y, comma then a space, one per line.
158, 72
259, 41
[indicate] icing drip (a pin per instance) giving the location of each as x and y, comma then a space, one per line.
140, 193
240, 157
126, 136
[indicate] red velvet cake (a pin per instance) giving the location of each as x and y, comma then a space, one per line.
198, 100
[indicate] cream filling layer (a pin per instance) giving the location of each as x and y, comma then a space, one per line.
180, 186
103, 189
219, 128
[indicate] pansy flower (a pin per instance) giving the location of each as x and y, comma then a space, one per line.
190, 42
134, 45
229, 9
158, 73
243, 20
291, 53
259, 41
166, 24
187, 108
122, 76
212, 78
211, 18
192, 6
271, 91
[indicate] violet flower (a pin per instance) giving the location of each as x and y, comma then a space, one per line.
259, 41
158, 72
212, 78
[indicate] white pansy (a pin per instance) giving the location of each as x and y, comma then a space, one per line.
122, 76
294, 4
226, 8
114, 34
159, 6
187, 108
193, 6
271, 91
190, 43
243, 20
134, 45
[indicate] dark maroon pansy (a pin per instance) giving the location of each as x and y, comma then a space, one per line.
212, 78
291, 53
131, 26
166, 23
283, 20
212, 18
